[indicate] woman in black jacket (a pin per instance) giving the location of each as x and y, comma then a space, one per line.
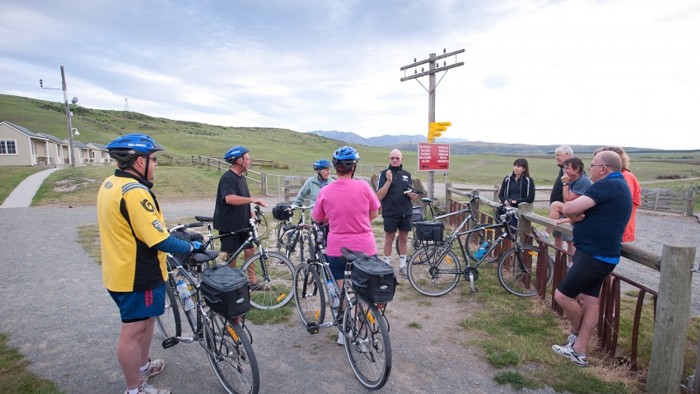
517, 187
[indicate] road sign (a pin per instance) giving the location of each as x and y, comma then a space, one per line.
433, 157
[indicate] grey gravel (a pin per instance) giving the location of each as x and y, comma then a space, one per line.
58, 314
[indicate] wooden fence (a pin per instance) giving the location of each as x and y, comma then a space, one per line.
671, 300
660, 200
667, 200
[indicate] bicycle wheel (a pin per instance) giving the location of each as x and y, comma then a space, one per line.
309, 296
169, 323
518, 270
231, 355
433, 271
276, 275
367, 343
297, 252
412, 245
473, 243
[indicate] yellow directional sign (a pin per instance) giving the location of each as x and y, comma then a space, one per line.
435, 129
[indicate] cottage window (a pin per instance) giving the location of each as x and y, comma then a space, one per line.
8, 147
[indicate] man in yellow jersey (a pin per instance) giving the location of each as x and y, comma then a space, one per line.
134, 243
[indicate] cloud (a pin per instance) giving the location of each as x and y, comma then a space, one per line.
540, 72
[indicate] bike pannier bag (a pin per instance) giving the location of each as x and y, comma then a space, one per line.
373, 279
226, 291
187, 236
282, 212
417, 214
429, 231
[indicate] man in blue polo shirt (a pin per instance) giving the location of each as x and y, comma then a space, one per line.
600, 216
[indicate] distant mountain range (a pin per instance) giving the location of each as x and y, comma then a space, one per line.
460, 146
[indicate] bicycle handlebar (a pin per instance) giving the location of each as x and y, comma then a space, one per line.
185, 226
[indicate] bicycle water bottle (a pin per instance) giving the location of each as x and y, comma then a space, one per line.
185, 295
482, 250
333, 294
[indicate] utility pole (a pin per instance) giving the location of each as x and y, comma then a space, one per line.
433, 68
69, 120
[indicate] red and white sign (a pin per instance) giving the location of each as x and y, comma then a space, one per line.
432, 157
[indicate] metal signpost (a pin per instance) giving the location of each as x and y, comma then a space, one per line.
435, 129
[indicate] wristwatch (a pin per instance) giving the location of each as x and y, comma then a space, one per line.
565, 184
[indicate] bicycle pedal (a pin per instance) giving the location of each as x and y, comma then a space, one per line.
312, 328
170, 342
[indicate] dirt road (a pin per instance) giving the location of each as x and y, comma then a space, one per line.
58, 314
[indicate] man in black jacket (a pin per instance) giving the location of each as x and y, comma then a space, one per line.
395, 191
561, 154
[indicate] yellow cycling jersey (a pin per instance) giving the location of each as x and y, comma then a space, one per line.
130, 225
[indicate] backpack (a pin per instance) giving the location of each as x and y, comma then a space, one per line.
282, 212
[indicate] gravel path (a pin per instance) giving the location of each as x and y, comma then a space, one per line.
60, 317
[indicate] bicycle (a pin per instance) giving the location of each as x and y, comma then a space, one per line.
226, 340
435, 269
474, 239
360, 316
292, 238
418, 216
273, 271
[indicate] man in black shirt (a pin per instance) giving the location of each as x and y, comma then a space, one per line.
395, 191
232, 211
561, 154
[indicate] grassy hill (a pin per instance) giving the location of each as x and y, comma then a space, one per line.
293, 152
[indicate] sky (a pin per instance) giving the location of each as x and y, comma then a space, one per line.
605, 72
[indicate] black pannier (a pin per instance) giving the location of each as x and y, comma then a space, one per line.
429, 231
187, 236
226, 291
417, 214
373, 279
282, 212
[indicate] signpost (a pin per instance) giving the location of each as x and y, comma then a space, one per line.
435, 129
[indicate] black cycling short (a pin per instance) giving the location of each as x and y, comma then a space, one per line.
585, 276
398, 222
231, 243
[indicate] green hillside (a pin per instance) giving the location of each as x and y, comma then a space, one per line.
293, 152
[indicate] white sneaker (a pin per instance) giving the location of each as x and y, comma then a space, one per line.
341, 339
154, 368
146, 388
579, 359
403, 273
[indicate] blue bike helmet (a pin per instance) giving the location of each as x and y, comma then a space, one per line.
234, 153
345, 158
321, 164
127, 148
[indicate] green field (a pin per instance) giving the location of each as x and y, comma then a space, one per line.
291, 151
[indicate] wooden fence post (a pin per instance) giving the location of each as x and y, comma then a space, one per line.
689, 202
672, 316
263, 184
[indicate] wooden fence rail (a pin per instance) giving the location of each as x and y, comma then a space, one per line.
671, 301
